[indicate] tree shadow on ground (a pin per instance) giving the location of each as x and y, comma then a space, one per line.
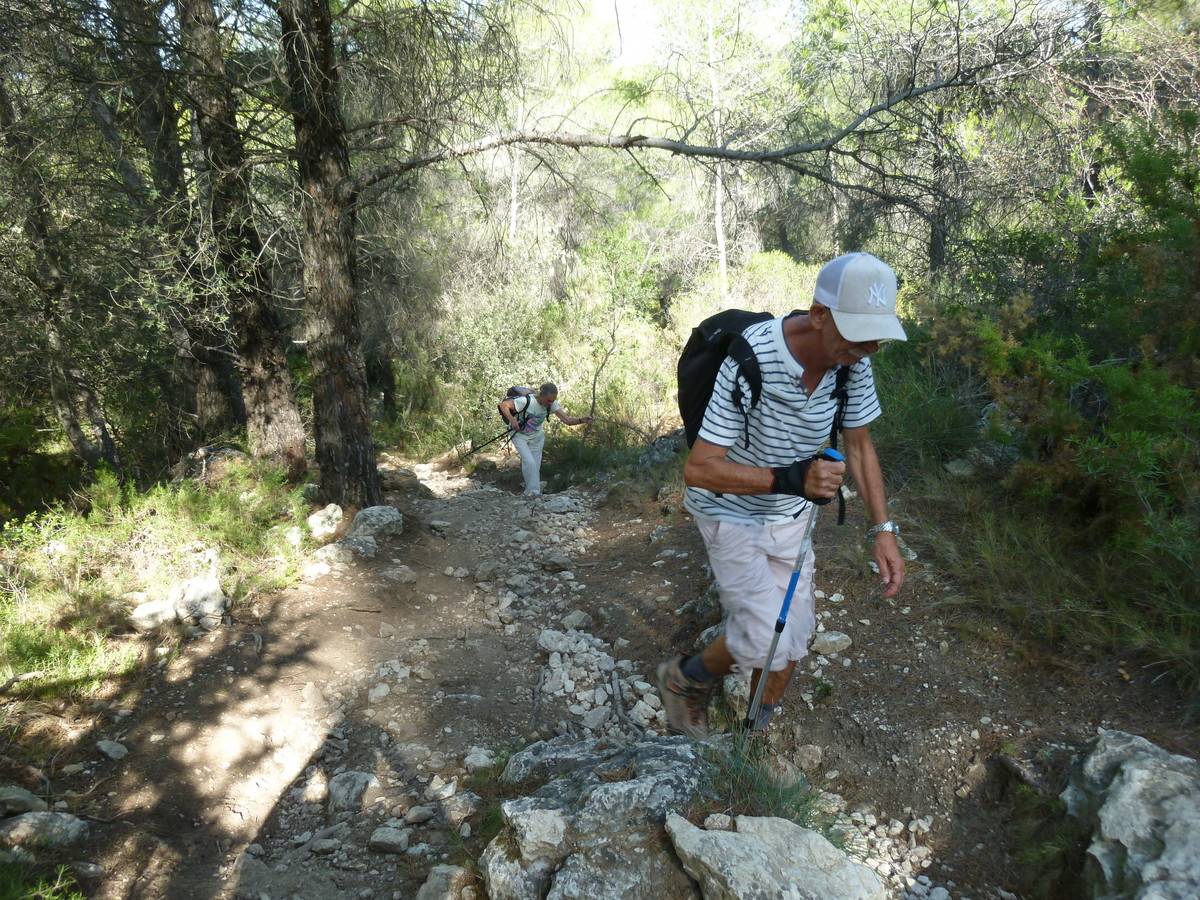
197, 723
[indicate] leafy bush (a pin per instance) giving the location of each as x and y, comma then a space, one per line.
1094, 378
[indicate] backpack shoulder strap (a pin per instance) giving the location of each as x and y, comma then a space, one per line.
743, 356
841, 394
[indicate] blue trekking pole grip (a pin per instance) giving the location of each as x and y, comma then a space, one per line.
756, 704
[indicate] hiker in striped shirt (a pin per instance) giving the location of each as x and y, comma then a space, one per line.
753, 479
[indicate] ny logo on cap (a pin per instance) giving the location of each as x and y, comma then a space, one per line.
877, 297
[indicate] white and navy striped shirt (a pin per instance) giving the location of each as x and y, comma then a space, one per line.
788, 424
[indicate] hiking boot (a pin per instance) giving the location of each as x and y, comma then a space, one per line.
684, 701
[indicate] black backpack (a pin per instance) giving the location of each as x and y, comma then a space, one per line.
514, 394
711, 341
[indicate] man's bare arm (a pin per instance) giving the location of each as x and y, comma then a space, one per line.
708, 468
868, 476
508, 409
568, 419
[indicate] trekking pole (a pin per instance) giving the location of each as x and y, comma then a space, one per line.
504, 433
756, 704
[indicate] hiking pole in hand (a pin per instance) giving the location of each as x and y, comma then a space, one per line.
756, 704
508, 432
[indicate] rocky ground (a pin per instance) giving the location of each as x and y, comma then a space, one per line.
348, 737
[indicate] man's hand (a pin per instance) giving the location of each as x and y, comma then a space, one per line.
813, 479
890, 562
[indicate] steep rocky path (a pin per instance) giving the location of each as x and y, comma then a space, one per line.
339, 739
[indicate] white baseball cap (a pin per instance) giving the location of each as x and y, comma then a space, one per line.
860, 292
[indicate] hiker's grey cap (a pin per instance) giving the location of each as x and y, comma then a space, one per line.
860, 291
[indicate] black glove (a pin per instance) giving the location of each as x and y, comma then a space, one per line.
790, 480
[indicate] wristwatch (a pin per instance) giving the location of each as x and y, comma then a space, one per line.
888, 526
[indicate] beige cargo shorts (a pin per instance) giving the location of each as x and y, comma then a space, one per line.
753, 565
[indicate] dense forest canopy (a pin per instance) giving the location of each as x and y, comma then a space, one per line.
308, 228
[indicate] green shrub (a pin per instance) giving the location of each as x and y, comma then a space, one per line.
931, 408
20, 883
1085, 333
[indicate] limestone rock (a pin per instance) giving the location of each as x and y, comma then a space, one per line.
508, 879
561, 504
445, 883
112, 749
460, 807
808, 758
199, 601
363, 545
556, 561
479, 758
1143, 805
385, 839
402, 574
539, 833
595, 718
153, 614
325, 522
14, 800
768, 857
959, 468
43, 831
337, 554
350, 791
718, 822
593, 829
576, 619
828, 642
377, 522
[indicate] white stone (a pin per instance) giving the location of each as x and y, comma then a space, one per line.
349, 790
14, 800
596, 718
769, 857
539, 833
479, 758
42, 831
830, 642
336, 554
112, 749
419, 814
200, 600
153, 614
576, 619
440, 788
385, 839
1143, 805
445, 883
377, 522
402, 574
808, 758
378, 692
324, 522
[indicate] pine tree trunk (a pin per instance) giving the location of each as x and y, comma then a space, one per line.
273, 421
345, 449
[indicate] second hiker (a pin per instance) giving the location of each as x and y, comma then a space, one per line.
753, 477
525, 415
